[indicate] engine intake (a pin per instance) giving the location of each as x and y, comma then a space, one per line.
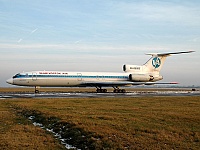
140, 77
132, 68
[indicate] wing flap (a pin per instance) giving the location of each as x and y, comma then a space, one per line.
126, 83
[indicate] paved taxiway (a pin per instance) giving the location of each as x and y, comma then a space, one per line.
97, 95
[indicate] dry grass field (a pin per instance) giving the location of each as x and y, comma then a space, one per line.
17, 132
103, 123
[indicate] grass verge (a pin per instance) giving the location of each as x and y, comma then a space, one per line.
16, 132
123, 123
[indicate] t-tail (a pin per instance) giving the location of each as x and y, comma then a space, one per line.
150, 71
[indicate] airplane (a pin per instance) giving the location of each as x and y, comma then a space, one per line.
146, 74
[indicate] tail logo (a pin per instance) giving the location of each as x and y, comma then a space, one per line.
156, 62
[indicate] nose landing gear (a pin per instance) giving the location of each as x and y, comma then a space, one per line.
36, 90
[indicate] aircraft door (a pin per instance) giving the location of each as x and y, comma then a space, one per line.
34, 76
79, 76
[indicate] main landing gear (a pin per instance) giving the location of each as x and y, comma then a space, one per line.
119, 91
116, 90
99, 90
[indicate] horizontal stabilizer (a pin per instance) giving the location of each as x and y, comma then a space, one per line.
153, 83
168, 54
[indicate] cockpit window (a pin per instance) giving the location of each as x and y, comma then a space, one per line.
17, 75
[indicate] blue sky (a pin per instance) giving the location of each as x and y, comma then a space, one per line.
100, 35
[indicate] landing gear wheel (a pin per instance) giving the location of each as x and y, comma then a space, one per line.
123, 90
119, 91
104, 90
101, 90
98, 90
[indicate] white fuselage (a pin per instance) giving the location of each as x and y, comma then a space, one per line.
65, 79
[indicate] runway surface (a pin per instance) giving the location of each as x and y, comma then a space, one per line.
98, 95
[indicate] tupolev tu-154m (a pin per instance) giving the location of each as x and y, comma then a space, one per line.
146, 74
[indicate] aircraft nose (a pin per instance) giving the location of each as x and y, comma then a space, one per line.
10, 81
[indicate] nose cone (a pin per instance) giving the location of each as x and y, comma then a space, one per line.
10, 81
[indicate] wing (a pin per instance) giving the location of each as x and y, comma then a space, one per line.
106, 84
123, 83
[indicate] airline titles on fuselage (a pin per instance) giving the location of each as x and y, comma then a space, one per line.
136, 68
53, 73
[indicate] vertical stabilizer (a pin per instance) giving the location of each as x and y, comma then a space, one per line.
155, 63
